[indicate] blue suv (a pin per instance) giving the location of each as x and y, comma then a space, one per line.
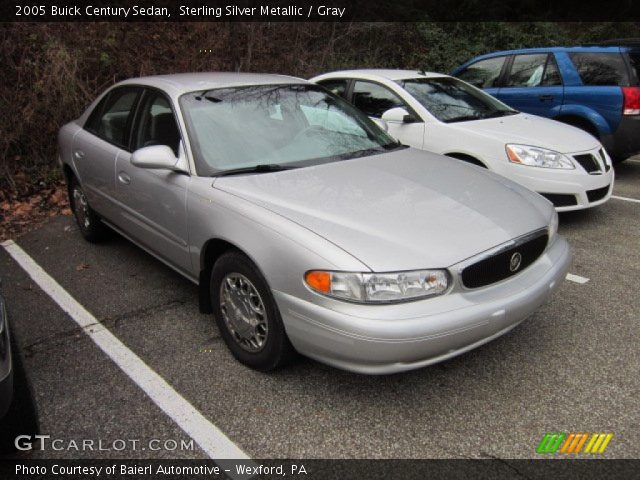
594, 88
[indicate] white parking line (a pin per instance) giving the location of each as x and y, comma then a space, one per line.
209, 437
626, 199
576, 278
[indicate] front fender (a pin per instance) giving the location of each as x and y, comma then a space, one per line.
280, 248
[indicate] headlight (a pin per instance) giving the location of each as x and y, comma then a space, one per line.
553, 227
538, 157
378, 287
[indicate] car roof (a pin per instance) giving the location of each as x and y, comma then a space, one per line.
592, 48
388, 74
179, 83
583, 48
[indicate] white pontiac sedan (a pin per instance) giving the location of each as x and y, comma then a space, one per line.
445, 115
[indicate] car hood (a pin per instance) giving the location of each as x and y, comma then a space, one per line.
400, 210
529, 129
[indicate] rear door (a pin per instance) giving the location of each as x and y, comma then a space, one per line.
533, 84
153, 201
485, 74
96, 146
374, 99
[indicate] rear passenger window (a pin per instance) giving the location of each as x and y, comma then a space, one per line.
551, 73
533, 70
600, 68
337, 86
483, 74
113, 122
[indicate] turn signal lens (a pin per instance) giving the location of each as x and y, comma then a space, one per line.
320, 281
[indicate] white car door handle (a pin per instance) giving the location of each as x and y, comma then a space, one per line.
79, 154
124, 178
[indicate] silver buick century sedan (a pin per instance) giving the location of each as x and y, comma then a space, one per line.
307, 228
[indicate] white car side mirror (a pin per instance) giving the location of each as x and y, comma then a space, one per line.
398, 115
156, 156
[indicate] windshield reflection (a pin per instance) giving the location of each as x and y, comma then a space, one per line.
452, 100
248, 129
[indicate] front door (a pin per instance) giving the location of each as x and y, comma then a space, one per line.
154, 201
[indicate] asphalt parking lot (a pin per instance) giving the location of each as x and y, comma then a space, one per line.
571, 367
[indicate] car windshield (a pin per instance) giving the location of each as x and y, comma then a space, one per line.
452, 100
265, 128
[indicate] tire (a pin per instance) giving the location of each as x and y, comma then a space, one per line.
22, 417
239, 292
89, 223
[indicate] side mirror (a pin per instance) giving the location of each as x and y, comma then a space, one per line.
398, 115
381, 123
156, 156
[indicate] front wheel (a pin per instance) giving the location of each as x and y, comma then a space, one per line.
247, 315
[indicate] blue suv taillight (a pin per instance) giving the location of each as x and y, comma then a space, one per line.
631, 100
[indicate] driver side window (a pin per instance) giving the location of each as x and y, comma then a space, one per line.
483, 74
374, 99
157, 124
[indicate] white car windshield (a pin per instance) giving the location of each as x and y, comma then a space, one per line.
452, 100
265, 128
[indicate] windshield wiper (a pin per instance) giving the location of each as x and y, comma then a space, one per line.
262, 168
501, 113
463, 118
393, 145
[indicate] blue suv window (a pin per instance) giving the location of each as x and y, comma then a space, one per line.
600, 68
483, 74
533, 70
634, 60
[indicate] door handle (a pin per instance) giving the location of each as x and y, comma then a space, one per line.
546, 98
124, 178
79, 154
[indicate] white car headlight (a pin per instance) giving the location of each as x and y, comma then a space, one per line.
538, 157
378, 287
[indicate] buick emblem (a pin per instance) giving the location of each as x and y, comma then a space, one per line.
514, 263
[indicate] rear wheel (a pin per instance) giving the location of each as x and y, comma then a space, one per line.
89, 223
247, 315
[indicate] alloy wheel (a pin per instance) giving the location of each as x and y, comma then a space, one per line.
243, 312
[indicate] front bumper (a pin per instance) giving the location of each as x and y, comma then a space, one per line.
576, 185
386, 339
6, 366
